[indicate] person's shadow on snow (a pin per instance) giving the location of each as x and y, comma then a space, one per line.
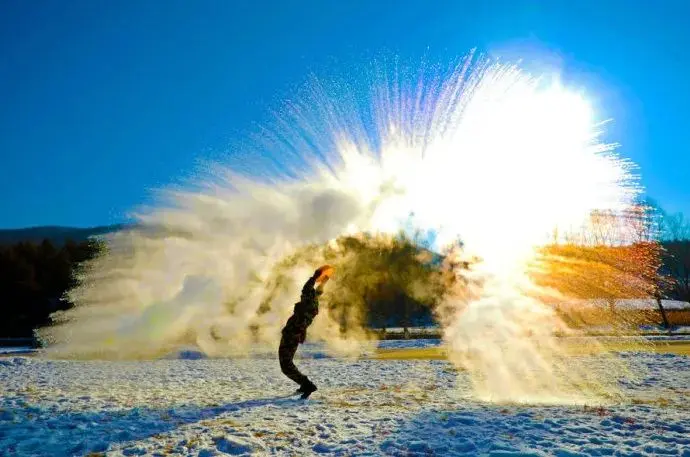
81, 433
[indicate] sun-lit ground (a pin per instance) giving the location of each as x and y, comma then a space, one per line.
572, 348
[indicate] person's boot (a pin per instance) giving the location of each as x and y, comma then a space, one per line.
307, 389
301, 388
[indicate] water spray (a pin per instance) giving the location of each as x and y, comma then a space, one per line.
484, 153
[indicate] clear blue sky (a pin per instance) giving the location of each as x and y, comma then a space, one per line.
102, 101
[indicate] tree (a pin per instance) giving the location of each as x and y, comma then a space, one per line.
676, 265
677, 227
35, 279
382, 280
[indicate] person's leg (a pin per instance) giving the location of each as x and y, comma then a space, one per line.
286, 354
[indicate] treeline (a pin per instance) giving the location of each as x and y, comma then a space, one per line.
404, 281
386, 281
675, 265
33, 280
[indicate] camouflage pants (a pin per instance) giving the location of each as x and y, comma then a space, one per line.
286, 352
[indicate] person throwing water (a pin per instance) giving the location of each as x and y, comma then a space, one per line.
295, 331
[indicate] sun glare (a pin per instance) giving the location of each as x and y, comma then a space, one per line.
520, 163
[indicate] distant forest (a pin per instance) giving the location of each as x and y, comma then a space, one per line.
34, 277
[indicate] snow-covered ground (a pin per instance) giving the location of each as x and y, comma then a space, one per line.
204, 407
16, 350
648, 330
651, 304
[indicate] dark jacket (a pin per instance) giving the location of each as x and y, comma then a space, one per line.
304, 313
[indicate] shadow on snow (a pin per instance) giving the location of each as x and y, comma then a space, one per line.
78, 433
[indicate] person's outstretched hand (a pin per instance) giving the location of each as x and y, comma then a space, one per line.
323, 273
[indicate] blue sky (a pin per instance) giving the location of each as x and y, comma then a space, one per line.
101, 102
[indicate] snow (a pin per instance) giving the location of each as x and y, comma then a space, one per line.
404, 344
629, 304
435, 342
207, 407
652, 304
429, 329
16, 350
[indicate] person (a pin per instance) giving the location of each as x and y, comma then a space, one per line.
295, 331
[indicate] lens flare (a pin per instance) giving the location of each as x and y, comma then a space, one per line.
485, 154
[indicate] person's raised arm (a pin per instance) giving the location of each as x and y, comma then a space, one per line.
308, 287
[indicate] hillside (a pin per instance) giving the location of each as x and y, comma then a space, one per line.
57, 235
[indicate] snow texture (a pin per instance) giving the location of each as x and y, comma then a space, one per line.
651, 304
16, 350
193, 406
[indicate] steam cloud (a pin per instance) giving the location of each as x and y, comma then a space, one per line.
482, 153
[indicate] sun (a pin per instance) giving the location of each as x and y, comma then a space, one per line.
510, 164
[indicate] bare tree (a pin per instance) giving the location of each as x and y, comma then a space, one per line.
676, 227
676, 264
675, 237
